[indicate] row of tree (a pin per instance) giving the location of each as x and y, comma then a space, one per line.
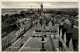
12, 18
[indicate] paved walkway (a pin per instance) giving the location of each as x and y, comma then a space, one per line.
19, 41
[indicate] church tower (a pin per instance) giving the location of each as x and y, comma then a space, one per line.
41, 8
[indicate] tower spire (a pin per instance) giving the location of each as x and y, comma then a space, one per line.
41, 7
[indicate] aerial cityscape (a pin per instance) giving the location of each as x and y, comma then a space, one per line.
40, 29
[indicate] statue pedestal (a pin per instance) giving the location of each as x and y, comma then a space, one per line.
43, 40
42, 49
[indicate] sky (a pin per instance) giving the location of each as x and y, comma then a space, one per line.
18, 4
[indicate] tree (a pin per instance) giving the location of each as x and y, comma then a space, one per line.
23, 14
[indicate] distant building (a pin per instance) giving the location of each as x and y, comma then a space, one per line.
41, 8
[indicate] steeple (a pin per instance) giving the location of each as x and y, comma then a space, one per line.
41, 8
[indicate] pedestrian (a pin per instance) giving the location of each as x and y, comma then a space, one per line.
68, 35
52, 20
40, 22
61, 26
75, 38
67, 28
